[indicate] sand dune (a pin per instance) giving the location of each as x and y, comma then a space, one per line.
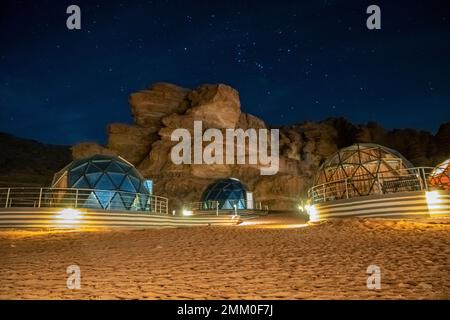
276, 257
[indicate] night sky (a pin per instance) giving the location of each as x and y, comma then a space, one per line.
291, 61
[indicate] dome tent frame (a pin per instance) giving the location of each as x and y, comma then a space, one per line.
363, 169
106, 182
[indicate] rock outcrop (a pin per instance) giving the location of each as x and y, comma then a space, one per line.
163, 108
150, 106
87, 149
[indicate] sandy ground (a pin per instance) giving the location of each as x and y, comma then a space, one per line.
276, 257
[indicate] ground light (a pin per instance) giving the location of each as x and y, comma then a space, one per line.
433, 201
69, 217
312, 213
187, 212
311, 210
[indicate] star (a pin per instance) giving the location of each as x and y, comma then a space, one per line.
259, 65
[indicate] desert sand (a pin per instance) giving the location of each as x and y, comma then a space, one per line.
275, 257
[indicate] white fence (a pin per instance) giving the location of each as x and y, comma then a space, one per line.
413, 179
214, 206
81, 198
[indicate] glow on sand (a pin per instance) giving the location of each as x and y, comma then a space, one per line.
272, 226
274, 222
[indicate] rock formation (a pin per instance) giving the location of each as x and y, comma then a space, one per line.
165, 107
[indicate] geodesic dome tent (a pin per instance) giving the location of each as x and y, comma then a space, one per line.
364, 169
104, 181
440, 176
226, 193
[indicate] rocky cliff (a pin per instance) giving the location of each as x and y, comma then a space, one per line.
164, 107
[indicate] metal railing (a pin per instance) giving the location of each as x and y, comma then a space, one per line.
412, 179
215, 206
81, 198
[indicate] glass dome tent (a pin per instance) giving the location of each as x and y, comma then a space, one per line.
106, 182
440, 176
363, 169
227, 193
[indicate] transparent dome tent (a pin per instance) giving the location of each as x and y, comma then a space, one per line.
104, 181
363, 169
225, 193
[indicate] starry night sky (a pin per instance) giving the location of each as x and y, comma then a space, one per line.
291, 61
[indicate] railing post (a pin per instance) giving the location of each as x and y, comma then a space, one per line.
7, 197
424, 179
76, 198
379, 184
160, 207
40, 198
217, 208
110, 199
346, 188
156, 204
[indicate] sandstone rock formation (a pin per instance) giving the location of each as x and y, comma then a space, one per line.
162, 99
160, 110
164, 107
87, 149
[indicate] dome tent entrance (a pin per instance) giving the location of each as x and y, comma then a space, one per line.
105, 182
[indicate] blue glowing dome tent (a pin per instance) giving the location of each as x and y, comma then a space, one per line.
227, 193
106, 182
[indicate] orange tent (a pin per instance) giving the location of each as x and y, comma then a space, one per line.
440, 176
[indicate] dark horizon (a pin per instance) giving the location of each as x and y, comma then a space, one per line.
291, 62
